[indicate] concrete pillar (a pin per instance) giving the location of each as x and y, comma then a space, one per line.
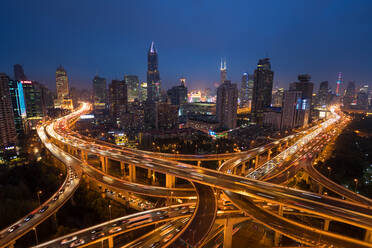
280, 147
111, 242
199, 163
256, 161
280, 210
277, 234
320, 189
326, 224
228, 233
234, 171
84, 155
269, 154
170, 181
149, 173
122, 168
243, 169
368, 236
104, 163
132, 173
219, 163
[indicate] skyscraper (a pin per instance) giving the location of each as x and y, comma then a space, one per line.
99, 92
178, 94
223, 71
306, 88
290, 109
362, 97
8, 136
34, 103
18, 104
132, 83
227, 104
143, 91
277, 97
338, 84
62, 83
323, 95
118, 99
19, 74
262, 89
349, 94
153, 75
246, 90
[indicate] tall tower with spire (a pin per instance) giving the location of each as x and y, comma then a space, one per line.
338, 84
153, 75
223, 71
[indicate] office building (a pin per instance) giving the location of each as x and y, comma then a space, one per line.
227, 104
291, 105
246, 91
349, 96
99, 98
34, 103
62, 83
167, 116
143, 91
277, 97
362, 98
8, 135
178, 94
132, 83
153, 75
262, 89
118, 97
19, 74
323, 95
306, 88
18, 105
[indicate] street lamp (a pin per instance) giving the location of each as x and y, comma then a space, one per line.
356, 183
38, 196
329, 171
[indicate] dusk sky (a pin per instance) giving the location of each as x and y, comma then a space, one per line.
111, 38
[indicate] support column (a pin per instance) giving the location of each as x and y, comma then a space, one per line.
228, 233
104, 163
256, 161
122, 168
368, 236
149, 173
170, 181
326, 224
84, 156
277, 235
199, 163
234, 170
243, 169
280, 147
111, 242
320, 190
132, 173
269, 154
219, 163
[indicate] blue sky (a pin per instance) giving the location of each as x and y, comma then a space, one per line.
111, 38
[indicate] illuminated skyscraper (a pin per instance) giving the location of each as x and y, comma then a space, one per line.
246, 89
132, 83
143, 91
118, 99
153, 75
223, 71
349, 96
227, 104
62, 83
18, 104
262, 89
8, 136
338, 84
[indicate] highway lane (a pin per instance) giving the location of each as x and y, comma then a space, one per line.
46, 209
342, 211
159, 237
201, 222
337, 188
292, 229
121, 225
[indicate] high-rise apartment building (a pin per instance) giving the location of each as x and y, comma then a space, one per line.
19, 74
227, 104
262, 89
62, 83
8, 135
132, 83
118, 99
246, 90
153, 75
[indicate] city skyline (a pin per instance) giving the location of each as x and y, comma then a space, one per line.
298, 46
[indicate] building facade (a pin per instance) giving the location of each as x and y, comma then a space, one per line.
262, 89
227, 104
132, 83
